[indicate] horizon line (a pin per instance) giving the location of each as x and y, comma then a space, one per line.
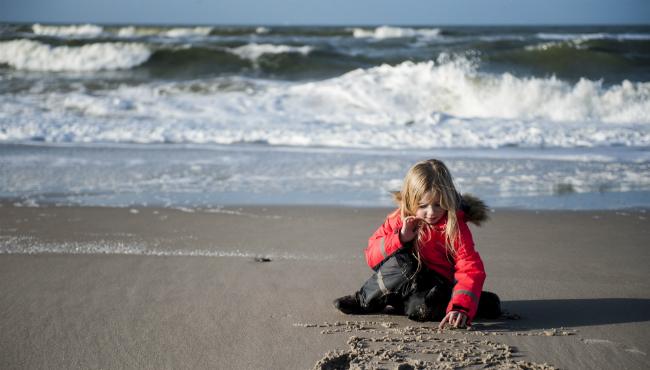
286, 24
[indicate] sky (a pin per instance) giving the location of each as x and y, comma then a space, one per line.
328, 12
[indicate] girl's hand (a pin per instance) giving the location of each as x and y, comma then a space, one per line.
455, 319
409, 229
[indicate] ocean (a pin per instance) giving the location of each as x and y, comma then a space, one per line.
210, 116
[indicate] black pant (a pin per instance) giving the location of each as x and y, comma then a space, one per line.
421, 294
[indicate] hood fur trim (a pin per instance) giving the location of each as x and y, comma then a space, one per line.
476, 211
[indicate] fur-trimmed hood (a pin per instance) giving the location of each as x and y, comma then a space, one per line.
475, 210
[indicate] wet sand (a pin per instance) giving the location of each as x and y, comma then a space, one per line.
251, 288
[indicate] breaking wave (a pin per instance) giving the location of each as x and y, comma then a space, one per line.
387, 32
444, 104
91, 30
254, 51
35, 56
594, 36
85, 30
177, 32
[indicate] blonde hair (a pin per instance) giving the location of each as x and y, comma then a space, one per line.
430, 176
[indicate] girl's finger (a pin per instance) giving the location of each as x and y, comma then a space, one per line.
450, 318
444, 321
412, 219
415, 223
457, 320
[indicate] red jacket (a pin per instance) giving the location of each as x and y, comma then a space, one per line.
466, 271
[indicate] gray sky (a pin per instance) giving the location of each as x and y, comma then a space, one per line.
328, 12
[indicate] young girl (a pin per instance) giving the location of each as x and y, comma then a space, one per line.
423, 255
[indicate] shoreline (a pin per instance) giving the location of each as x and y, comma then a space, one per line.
577, 279
233, 208
266, 175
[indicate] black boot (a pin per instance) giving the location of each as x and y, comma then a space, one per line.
416, 308
489, 306
349, 304
437, 299
428, 305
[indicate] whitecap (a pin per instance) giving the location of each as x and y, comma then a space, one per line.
186, 32
133, 31
176, 32
387, 32
35, 56
254, 51
443, 104
84, 30
593, 36
129, 31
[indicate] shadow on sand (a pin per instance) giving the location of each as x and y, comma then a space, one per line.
553, 313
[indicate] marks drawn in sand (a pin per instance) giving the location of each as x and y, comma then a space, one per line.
385, 345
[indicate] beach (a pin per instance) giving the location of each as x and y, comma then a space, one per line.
251, 288
189, 197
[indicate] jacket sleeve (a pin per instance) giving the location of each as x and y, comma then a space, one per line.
469, 275
385, 241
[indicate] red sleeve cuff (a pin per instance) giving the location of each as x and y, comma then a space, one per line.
464, 300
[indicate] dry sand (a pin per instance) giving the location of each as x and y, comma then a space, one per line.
251, 288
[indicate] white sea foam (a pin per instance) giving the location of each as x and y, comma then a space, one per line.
131, 31
387, 32
577, 41
202, 179
85, 30
448, 104
29, 245
254, 51
177, 32
185, 32
593, 36
555, 44
35, 56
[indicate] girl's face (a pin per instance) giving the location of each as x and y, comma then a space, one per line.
429, 209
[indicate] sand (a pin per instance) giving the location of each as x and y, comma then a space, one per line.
251, 288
